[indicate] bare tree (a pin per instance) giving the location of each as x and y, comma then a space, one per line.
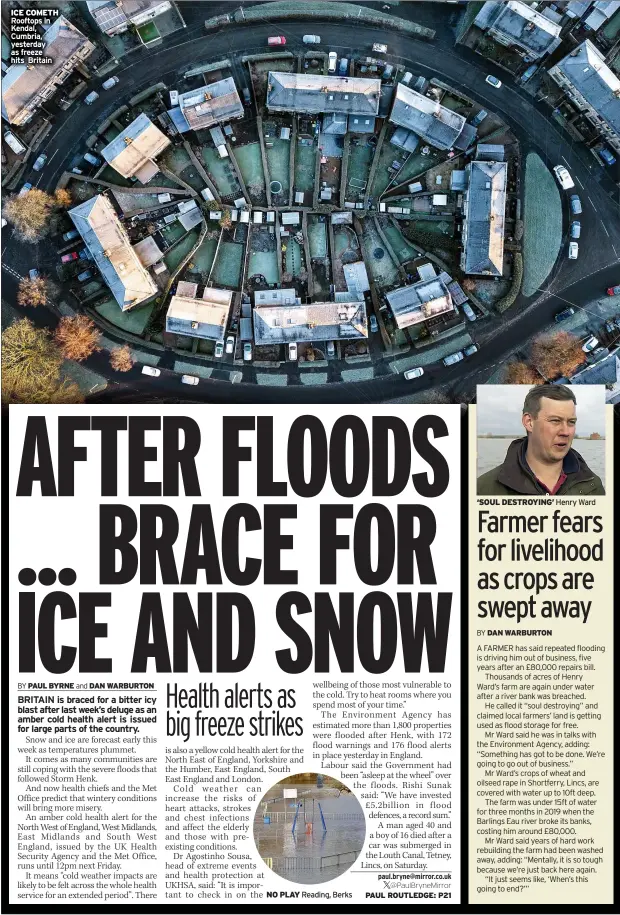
32, 292
30, 213
77, 337
30, 359
556, 354
521, 373
121, 359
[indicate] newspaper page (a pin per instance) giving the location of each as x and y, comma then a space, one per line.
235, 656
310, 385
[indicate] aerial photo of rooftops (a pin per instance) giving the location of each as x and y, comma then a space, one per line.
311, 202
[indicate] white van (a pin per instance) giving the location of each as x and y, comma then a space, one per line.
110, 83
15, 144
333, 60
311, 39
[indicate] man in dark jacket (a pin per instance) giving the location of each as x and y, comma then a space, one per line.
544, 463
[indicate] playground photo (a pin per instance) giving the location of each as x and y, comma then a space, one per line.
309, 828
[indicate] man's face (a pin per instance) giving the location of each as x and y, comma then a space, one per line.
551, 433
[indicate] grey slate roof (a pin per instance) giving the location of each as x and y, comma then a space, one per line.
211, 104
314, 94
335, 123
490, 152
601, 12
518, 24
204, 317
439, 126
419, 302
586, 70
405, 139
484, 218
305, 323
466, 137
138, 143
116, 260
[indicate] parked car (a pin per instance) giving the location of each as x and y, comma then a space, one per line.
189, 379
4, 222
219, 349
39, 163
33, 273
590, 344
247, 98
610, 327
311, 39
479, 118
564, 314
91, 97
67, 258
575, 229
332, 61
149, 370
331, 349
68, 236
563, 176
379, 48
413, 373
16, 145
573, 251
471, 349
453, 357
276, 40
575, 205
77, 171
110, 83
247, 352
85, 275
493, 81
92, 160
343, 66
86, 255
230, 344
529, 73
27, 187
468, 311
292, 352
613, 290
374, 326
607, 156
174, 98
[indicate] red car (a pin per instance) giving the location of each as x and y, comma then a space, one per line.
276, 39
613, 290
67, 258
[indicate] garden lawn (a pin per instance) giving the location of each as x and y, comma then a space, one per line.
250, 164
227, 268
133, 321
175, 256
403, 249
542, 219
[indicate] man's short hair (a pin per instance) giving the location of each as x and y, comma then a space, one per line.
551, 391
